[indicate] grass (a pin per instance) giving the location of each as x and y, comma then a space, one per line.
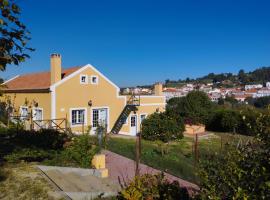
23, 181
179, 160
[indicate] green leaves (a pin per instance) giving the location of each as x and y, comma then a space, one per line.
195, 107
14, 35
160, 126
239, 172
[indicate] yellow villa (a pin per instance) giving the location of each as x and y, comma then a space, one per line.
83, 96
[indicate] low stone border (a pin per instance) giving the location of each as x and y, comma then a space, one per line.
80, 171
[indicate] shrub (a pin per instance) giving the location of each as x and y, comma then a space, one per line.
225, 120
248, 121
246, 173
153, 187
28, 155
45, 139
160, 126
81, 150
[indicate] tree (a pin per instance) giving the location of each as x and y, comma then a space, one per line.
240, 172
195, 107
262, 102
225, 120
14, 35
160, 126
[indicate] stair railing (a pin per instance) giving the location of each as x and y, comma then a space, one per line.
134, 100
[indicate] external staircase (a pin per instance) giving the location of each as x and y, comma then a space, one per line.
131, 105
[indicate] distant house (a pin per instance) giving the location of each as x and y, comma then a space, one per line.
173, 92
254, 86
241, 97
268, 84
264, 92
82, 95
214, 96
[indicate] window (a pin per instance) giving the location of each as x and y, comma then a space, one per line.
94, 80
83, 79
77, 116
133, 121
23, 112
143, 116
124, 120
37, 114
95, 118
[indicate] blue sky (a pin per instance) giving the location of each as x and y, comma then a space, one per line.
135, 42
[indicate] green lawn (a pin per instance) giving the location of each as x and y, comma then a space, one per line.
179, 160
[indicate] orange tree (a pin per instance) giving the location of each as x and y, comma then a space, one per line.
241, 172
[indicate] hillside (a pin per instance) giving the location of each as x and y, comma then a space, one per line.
260, 75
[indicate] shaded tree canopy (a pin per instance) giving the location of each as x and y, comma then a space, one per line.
195, 107
14, 36
160, 126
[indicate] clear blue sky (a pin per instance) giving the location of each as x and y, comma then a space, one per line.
137, 42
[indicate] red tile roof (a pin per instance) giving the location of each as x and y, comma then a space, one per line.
34, 81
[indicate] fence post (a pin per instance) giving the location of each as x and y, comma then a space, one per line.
66, 124
196, 150
31, 120
137, 146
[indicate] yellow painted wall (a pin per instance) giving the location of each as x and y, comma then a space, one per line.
152, 99
72, 94
19, 99
148, 110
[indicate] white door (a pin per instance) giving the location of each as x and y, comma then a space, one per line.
133, 125
99, 117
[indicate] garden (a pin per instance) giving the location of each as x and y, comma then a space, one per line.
244, 149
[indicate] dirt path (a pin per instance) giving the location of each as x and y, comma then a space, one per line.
123, 169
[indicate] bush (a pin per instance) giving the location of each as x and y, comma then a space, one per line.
81, 150
28, 155
153, 187
44, 139
160, 126
241, 172
248, 122
225, 120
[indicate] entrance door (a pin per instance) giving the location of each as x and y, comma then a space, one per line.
99, 118
133, 125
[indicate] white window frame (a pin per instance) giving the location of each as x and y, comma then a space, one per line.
91, 79
86, 79
141, 117
34, 112
126, 122
85, 116
108, 117
24, 107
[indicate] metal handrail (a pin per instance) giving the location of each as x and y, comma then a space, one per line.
134, 101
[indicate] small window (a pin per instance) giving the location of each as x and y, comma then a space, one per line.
83, 79
143, 116
124, 120
77, 117
94, 80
